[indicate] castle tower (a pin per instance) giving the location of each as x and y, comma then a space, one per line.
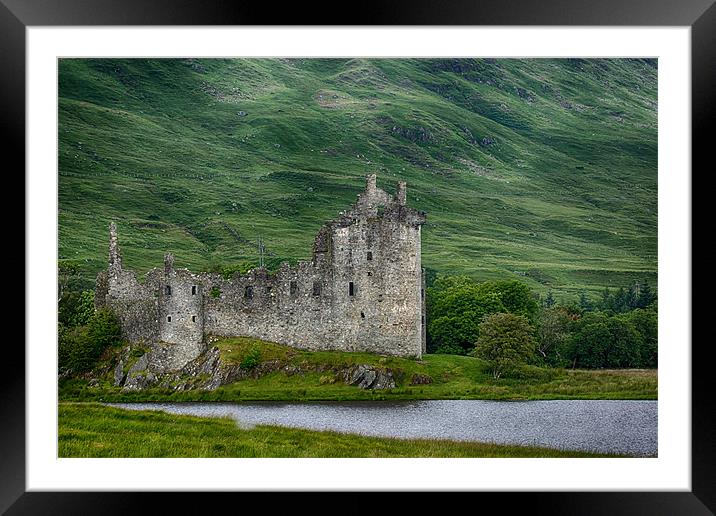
377, 284
181, 313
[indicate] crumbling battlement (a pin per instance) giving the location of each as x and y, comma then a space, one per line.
362, 290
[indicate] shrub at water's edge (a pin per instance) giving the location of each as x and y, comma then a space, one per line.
84, 334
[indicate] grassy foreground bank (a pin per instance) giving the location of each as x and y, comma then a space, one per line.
93, 430
452, 377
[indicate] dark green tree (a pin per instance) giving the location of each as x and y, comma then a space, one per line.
506, 341
647, 324
600, 341
457, 304
458, 317
646, 295
605, 303
632, 297
68, 276
553, 326
81, 309
80, 347
584, 302
619, 302
549, 300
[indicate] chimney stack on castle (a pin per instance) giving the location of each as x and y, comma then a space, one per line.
370, 182
401, 193
168, 263
115, 258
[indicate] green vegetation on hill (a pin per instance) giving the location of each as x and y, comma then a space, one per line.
543, 170
90, 430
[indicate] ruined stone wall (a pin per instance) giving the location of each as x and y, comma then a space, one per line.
363, 290
134, 304
291, 306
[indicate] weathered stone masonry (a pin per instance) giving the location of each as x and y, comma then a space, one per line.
363, 290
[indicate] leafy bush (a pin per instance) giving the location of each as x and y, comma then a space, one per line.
79, 350
601, 341
457, 304
63, 349
646, 323
104, 329
76, 308
252, 358
80, 347
506, 341
553, 326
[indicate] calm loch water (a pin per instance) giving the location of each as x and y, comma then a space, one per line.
608, 426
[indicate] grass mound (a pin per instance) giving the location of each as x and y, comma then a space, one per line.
313, 376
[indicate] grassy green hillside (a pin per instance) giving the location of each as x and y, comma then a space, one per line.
543, 170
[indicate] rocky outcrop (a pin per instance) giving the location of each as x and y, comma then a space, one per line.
369, 377
208, 372
119, 373
139, 381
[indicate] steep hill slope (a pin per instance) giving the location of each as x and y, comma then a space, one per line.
539, 169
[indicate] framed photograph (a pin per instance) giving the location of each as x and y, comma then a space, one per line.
352, 141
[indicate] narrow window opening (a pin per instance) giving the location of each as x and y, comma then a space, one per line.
168, 290
193, 290
193, 318
351, 289
249, 292
316, 288
268, 290
370, 273
370, 255
169, 318
362, 315
293, 288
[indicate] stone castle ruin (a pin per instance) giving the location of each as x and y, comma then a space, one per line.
362, 290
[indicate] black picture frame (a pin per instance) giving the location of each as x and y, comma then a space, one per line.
17, 15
